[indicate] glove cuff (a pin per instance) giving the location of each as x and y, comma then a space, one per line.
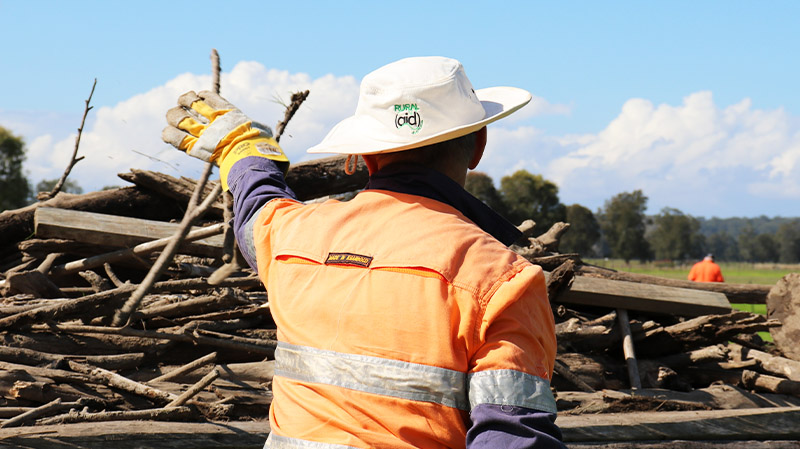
261, 146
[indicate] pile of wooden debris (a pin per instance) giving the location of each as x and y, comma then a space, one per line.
115, 310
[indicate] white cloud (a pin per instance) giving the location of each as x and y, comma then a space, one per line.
128, 135
696, 156
537, 107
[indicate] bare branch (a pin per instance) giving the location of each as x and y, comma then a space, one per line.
44, 196
215, 70
297, 99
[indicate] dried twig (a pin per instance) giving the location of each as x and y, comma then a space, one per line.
44, 196
189, 367
196, 388
215, 70
297, 99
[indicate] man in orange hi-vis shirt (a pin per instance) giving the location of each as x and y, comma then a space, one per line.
706, 271
404, 320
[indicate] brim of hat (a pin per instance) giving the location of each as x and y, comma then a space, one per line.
352, 135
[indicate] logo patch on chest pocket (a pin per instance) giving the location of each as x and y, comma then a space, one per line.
357, 260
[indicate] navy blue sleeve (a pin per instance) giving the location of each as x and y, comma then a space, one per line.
495, 426
253, 182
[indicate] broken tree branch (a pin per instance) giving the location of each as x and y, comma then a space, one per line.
189, 367
196, 388
297, 99
44, 196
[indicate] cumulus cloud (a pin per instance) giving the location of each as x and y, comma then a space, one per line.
695, 156
128, 135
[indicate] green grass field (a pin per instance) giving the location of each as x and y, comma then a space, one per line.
733, 272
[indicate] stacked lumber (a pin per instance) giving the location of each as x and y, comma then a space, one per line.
92, 332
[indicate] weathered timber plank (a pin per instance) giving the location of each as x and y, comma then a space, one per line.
684, 444
138, 434
112, 230
643, 297
748, 424
16, 225
736, 293
778, 424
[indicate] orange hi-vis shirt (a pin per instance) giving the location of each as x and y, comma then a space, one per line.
396, 316
706, 271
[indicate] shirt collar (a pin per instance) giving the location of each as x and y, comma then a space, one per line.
418, 180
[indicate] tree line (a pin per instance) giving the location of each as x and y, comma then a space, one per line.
622, 229
15, 189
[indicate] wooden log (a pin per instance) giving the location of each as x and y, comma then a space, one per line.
561, 369
138, 250
93, 305
42, 247
54, 406
67, 308
44, 338
194, 306
699, 332
50, 373
643, 297
325, 176
30, 357
189, 367
116, 231
576, 333
32, 282
752, 424
628, 349
309, 180
723, 397
10, 412
548, 262
260, 372
560, 279
596, 370
123, 383
683, 444
160, 414
779, 366
783, 304
266, 348
194, 389
179, 189
736, 293
772, 384
16, 225
628, 401
134, 435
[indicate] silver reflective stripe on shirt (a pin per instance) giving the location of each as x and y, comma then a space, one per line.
510, 387
376, 375
279, 442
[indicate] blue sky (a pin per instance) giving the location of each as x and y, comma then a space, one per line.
695, 103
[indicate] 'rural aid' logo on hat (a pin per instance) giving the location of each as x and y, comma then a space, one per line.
407, 115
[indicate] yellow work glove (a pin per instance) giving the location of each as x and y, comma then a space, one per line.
208, 127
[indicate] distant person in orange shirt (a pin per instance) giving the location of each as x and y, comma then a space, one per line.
706, 271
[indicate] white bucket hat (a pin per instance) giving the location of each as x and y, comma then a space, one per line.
416, 102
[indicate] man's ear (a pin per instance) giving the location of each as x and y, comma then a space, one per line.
480, 145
